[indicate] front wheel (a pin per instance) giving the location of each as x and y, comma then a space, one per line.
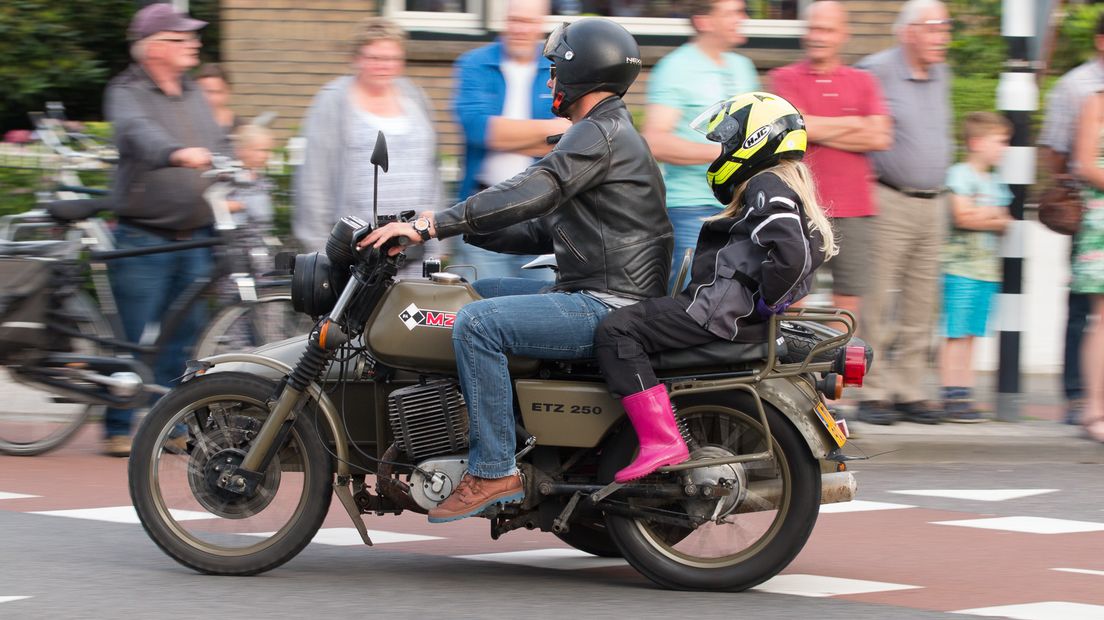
182, 447
34, 419
741, 539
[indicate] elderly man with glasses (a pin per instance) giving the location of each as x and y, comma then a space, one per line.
165, 133
908, 230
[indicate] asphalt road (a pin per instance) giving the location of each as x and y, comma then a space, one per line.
892, 555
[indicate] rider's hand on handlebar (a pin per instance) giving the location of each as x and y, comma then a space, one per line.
191, 157
382, 235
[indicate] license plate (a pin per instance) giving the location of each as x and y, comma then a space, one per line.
830, 424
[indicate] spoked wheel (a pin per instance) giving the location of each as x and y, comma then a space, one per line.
250, 324
740, 539
185, 444
34, 420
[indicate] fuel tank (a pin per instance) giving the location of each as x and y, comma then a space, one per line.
412, 326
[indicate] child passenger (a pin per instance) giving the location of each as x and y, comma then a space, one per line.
971, 256
752, 261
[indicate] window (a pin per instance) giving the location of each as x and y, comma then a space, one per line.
768, 18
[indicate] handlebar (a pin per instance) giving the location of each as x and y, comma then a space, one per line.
157, 249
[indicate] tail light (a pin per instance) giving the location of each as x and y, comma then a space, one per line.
854, 366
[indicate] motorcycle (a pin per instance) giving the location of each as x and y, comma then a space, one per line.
232, 472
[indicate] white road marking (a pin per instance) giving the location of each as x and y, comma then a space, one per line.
1047, 610
8, 599
349, 537
1082, 571
980, 495
1029, 525
4, 495
860, 505
819, 586
122, 514
557, 559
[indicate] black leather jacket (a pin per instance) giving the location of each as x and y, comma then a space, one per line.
766, 251
597, 201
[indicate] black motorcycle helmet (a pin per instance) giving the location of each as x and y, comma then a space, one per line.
588, 55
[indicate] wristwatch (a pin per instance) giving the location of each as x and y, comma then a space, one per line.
421, 226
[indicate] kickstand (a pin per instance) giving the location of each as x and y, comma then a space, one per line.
561, 523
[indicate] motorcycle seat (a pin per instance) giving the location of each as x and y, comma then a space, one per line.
76, 210
717, 353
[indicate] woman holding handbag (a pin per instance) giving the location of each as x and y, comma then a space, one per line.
1088, 258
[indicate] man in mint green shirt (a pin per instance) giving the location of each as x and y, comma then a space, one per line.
681, 86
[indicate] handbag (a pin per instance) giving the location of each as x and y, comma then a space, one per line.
1061, 206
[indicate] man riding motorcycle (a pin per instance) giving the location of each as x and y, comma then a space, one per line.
597, 202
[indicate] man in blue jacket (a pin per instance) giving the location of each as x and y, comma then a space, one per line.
505, 111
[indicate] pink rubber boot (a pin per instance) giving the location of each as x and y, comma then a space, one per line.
661, 443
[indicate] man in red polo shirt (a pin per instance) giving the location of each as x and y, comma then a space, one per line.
846, 117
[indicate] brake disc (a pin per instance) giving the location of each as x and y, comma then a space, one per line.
207, 464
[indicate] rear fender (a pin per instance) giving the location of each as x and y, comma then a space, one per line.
795, 398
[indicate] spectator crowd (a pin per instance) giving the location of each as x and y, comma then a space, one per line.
919, 235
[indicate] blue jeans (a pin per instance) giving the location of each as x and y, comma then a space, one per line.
518, 321
688, 223
1079, 307
144, 287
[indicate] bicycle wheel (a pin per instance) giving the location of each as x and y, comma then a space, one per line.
247, 325
33, 420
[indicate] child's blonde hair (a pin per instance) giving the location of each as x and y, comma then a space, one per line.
981, 124
250, 134
799, 178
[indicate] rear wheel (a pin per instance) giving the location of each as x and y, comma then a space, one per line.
33, 419
741, 539
182, 447
247, 325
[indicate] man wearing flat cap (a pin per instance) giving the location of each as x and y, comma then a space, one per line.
165, 134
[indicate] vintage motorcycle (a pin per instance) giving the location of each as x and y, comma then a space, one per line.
233, 471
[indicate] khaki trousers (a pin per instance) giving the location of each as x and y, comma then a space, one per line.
901, 303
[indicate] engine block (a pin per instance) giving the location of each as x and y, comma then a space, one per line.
429, 420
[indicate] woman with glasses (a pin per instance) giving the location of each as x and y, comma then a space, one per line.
336, 178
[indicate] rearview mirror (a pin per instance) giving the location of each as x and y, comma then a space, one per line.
379, 153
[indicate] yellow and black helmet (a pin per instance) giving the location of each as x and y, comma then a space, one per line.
756, 131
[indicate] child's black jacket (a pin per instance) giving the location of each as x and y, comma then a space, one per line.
766, 250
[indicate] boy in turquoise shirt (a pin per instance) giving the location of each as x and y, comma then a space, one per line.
680, 87
971, 255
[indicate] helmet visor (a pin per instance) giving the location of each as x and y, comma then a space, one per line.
556, 47
716, 124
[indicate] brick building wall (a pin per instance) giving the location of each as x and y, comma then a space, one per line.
279, 53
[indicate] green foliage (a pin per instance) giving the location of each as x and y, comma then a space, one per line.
1075, 40
17, 189
977, 48
67, 51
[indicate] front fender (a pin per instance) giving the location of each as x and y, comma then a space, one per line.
273, 368
286, 353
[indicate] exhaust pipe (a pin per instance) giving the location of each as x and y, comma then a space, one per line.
835, 487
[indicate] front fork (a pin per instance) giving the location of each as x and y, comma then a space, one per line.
323, 341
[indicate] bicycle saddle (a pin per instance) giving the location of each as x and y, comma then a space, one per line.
75, 210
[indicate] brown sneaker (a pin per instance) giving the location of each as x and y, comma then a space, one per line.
117, 445
473, 495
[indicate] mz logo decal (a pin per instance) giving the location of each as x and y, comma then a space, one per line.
413, 317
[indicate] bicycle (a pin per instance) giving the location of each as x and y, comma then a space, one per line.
67, 374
